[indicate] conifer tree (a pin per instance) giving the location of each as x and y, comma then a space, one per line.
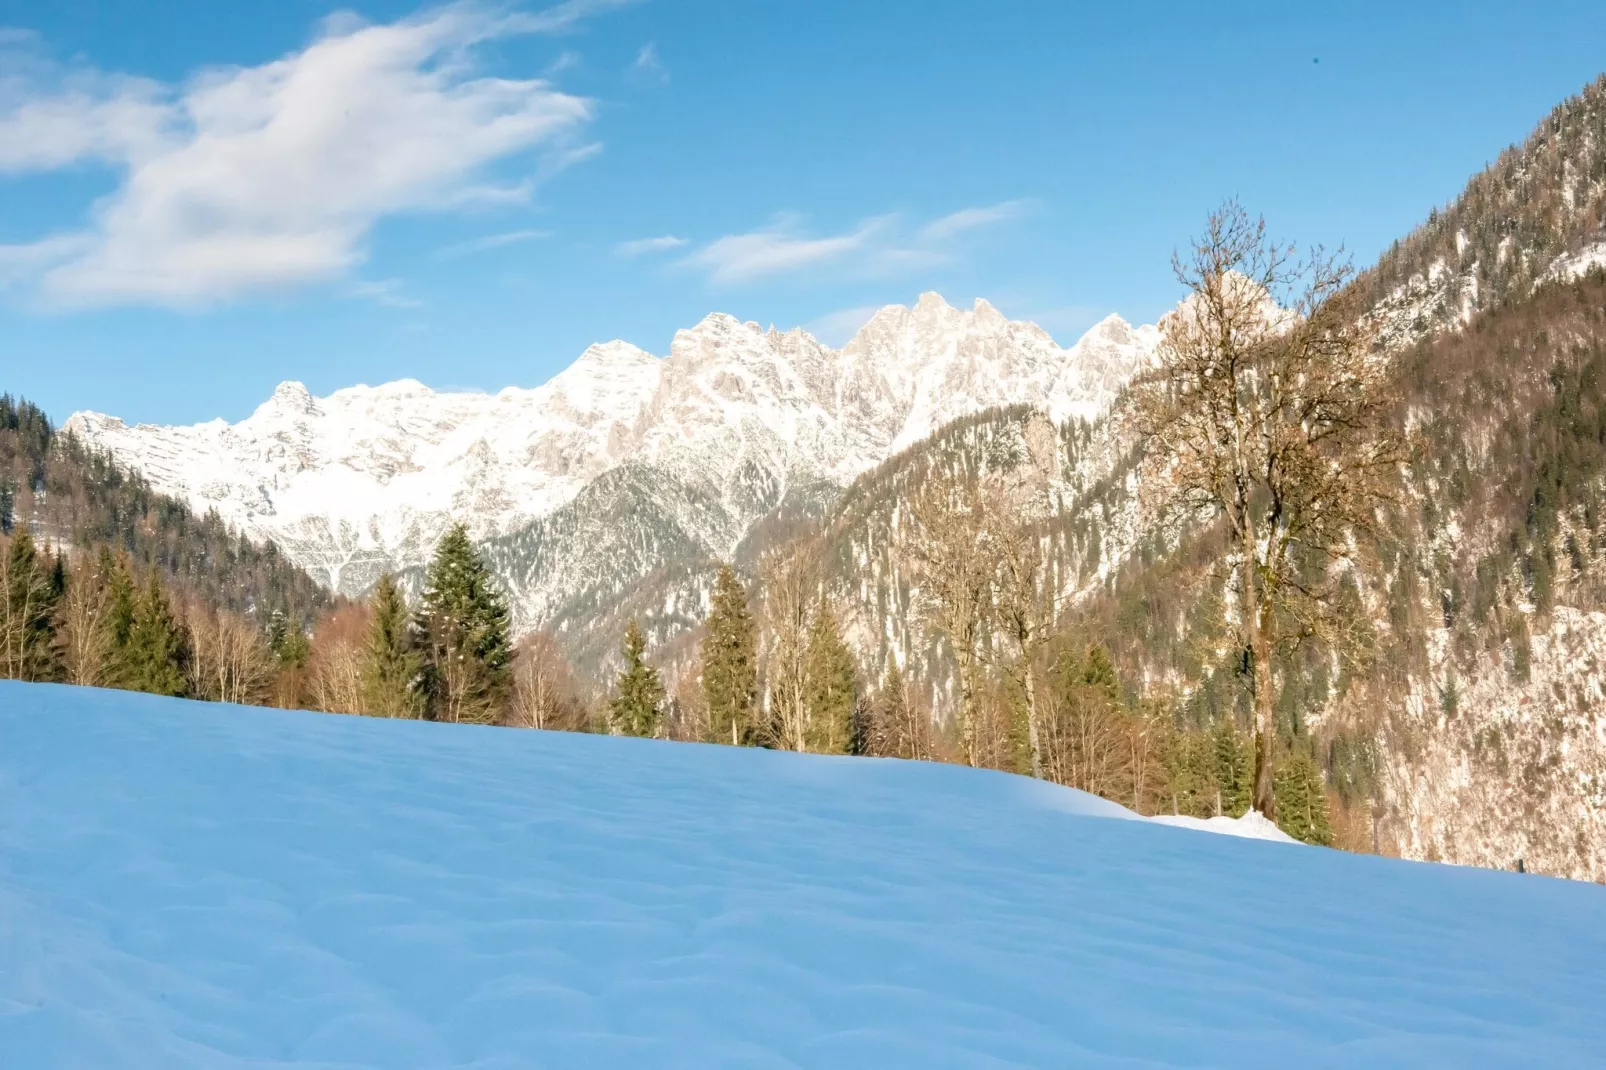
831, 686
638, 698
118, 624
1234, 770
287, 641
27, 612
463, 633
390, 668
729, 661
157, 653
1301, 800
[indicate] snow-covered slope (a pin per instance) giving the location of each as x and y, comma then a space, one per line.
186, 885
367, 478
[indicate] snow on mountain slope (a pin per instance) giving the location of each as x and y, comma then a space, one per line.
367, 478
186, 885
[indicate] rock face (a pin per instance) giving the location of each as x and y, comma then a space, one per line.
697, 446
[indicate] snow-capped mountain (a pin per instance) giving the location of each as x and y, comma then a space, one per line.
720, 431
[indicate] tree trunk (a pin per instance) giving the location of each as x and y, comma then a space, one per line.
1260, 650
1031, 724
967, 707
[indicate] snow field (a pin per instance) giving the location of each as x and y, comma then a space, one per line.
193, 885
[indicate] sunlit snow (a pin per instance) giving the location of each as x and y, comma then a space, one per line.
192, 885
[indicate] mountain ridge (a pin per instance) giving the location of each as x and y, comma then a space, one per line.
364, 480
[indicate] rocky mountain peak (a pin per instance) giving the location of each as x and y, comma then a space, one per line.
368, 477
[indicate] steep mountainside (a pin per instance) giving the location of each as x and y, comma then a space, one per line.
1471, 725
1537, 213
74, 498
622, 465
1472, 728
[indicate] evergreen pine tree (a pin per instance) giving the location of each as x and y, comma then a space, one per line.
889, 734
831, 685
157, 653
390, 668
27, 612
118, 623
1234, 769
1301, 800
638, 697
463, 632
729, 661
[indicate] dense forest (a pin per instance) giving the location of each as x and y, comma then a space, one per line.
74, 499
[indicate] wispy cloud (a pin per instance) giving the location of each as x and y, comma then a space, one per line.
648, 66
489, 242
642, 246
835, 328
25, 261
977, 218
779, 249
878, 247
387, 292
250, 178
561, 18
565, 61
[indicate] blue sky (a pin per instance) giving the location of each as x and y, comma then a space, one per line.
199, 200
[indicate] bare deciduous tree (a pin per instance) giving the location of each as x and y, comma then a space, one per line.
230, 660
1273, 420
335, 664
544, 694
1023, 602
948, 547
788, 581
687, 718
900, 720
82, 634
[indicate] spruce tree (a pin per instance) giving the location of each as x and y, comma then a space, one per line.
1302, 800
390, 667
27, 612
1234, 770
729, 661
157, 653
637, 704
463, 633
118, 624
831, 687
889, 734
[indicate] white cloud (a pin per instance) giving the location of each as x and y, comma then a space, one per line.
967, 219
566, 60
778, 249
879, 247
387, 292
491, 241
560, 18
648, 65
20, 262
269, 176
649, 245
835, 328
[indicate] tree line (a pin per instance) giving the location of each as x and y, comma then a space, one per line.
1263, 421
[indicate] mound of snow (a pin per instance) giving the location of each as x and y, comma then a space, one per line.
1251, 826
188, 885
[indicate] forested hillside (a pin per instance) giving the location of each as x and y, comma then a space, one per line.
1538, 212
79, 500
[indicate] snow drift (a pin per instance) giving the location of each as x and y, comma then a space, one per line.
189, 885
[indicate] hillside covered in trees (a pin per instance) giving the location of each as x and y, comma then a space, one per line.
79, 500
